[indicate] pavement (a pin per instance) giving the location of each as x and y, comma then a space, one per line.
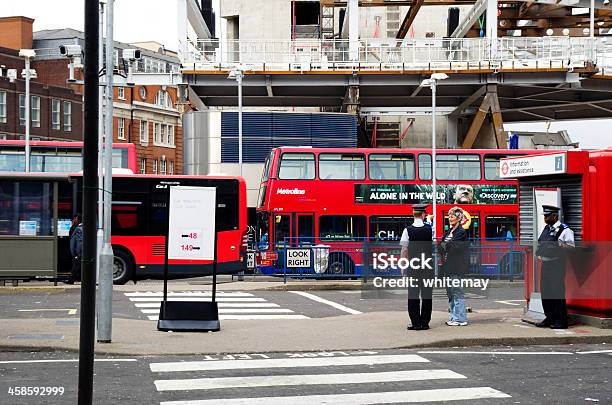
380, 328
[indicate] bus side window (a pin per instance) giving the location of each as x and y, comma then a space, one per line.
501, 227
282, 229
424, 166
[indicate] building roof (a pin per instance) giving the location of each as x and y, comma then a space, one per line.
72, 34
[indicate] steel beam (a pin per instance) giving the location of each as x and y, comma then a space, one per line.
469, 101
409, 19
468, 142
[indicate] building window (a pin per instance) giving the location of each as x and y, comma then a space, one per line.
143, 166
22, 110
154, 169
164, 140
67, 116
162, 166
121, 93
35, 111
2, 137
144, 133
156, 130
163, 100
121, 129
171, 135
143, 93
171, 168
55, 115
3, 107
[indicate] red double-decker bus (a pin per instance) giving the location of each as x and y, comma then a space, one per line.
60, 157
139, 220
341, 197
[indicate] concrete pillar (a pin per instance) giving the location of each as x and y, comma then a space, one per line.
181, 24
492, 23
352, 10
451, 132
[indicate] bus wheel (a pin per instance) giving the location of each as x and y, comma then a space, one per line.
340, 264
123, 266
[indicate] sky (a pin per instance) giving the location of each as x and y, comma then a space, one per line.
155, 20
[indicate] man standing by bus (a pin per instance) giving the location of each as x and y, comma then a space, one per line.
416, 242
76, 248
552, 243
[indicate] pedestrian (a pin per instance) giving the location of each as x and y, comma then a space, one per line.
553, 243
456, 260
74, 223
416, 243
76, 248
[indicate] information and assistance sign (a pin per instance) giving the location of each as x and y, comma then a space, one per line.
534, 165
191, 234
298, 258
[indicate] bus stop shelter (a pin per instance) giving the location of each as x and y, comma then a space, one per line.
30, 225
576, 181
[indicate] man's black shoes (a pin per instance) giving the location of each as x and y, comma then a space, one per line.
418, 327
558, 325
544, 324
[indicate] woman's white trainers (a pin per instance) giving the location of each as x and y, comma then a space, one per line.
455, 323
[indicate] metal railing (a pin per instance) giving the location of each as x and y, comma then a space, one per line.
398, 55
503, 260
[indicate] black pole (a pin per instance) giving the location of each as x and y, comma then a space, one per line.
90, 200
166, 248
214, 286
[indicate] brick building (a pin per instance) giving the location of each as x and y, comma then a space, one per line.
55, 111
147, 116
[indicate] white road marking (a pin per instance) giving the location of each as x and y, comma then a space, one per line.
512, 302
285, 363
313, 379
187, 294
71, 311
447, 394
247, 317
595, 352
327, 302
205, 299
474, 352
235, 311
64, 361
220, 305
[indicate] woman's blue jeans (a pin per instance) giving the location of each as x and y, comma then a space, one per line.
456, 302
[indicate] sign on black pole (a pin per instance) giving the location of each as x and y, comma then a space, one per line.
191, 235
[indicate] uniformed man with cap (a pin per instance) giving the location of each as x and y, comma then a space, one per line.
416, 242
552, 244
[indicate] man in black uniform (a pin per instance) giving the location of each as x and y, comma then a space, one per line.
416, 243
552, 244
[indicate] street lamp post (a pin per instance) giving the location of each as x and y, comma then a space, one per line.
27, 54
238, 74
432, 83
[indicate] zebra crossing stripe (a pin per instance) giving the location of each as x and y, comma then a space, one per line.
230, 317
314, 379
220, 305
187, 294
434, 395
235, 311
285, 363
218, 299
